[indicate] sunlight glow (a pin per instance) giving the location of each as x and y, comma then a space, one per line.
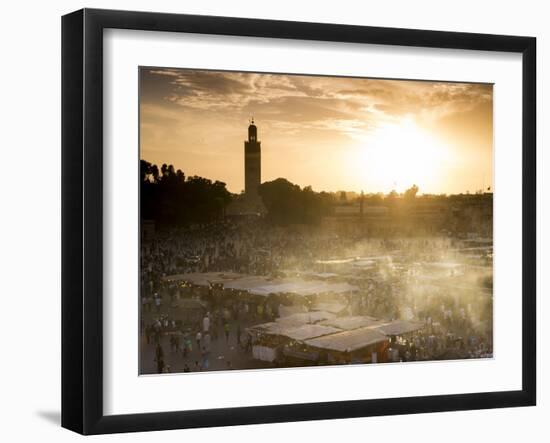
398, 155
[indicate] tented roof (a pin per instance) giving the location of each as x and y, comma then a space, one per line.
303, 318
348, 341
305, 332
300, 333
261, 285
354, 322
334, 308
399, 327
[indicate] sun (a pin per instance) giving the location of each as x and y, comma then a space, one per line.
399, 154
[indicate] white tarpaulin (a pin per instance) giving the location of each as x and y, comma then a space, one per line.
264, 353
264, 286
303, 318
354, 322
399, 327
348, 341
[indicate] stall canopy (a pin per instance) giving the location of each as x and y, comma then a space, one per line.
271, 328
399, 327
294, 286
340, 334
203, 278
264, 286
299, 333
304, 332
334, 308
285, 311
350, 323
348, 341
303, 318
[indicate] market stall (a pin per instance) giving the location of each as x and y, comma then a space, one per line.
362, 345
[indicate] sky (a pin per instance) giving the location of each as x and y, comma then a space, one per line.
331, 133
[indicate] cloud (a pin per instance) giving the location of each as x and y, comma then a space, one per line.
305, 98
183, 104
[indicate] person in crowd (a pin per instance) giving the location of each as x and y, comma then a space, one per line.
160, 365
157, 302
207, 341
227, 329
173, 346
198, 339
148, 333
205, 362
159, 358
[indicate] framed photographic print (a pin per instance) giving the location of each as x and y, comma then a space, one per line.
269, 221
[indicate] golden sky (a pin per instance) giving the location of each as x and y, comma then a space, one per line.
333, 133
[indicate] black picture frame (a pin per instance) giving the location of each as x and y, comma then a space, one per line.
82, 219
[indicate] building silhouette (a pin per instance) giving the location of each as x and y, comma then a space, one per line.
250, 202
252, 163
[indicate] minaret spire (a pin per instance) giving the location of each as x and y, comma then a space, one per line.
252, 161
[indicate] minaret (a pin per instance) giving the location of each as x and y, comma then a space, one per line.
252, 162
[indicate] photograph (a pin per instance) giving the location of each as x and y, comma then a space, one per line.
303, 220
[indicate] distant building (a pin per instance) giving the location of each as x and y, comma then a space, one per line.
250, 203
460, 214
252, 162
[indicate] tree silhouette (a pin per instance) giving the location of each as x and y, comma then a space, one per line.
410, 193
287, 204
170, 198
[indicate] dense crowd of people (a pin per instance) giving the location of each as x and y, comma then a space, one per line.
251, 248
190, 341
458, 319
